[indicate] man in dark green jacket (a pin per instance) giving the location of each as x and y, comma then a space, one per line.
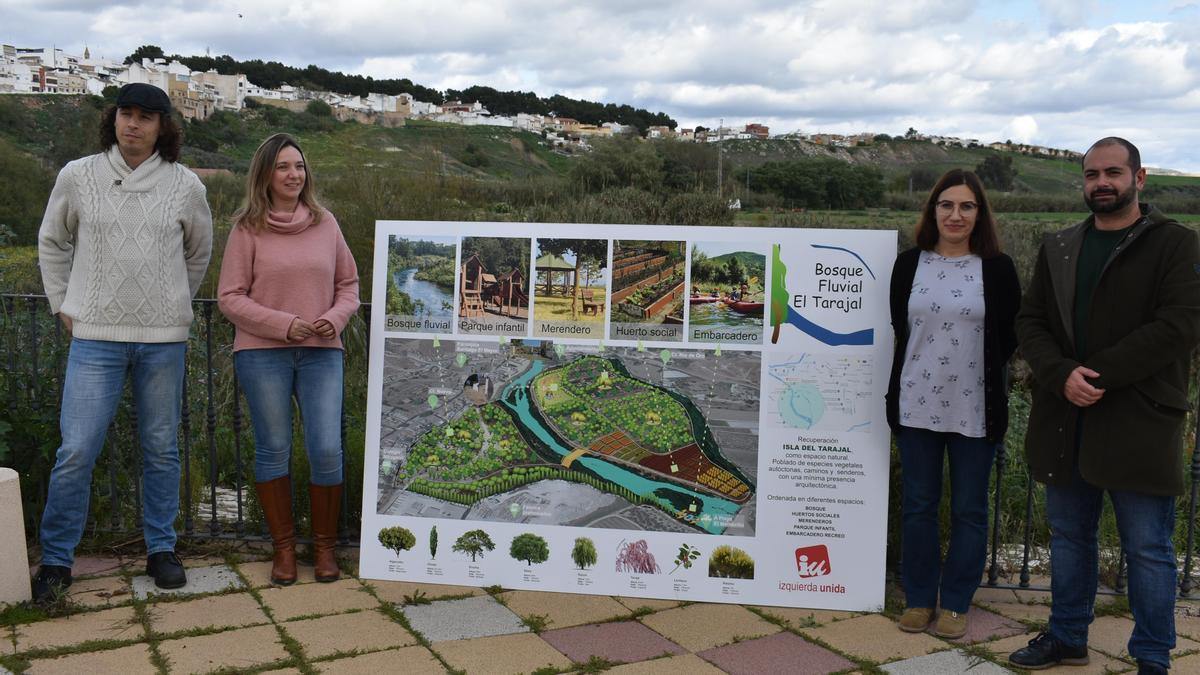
1108, 326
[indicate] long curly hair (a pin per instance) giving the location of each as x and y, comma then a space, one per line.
170, 135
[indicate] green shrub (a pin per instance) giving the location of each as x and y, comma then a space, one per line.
731, 563
398, 539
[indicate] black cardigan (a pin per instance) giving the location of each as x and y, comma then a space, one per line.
1001, 300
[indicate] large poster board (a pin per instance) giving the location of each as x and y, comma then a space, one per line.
692, 413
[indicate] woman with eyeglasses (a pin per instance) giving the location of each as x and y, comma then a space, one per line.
954, 297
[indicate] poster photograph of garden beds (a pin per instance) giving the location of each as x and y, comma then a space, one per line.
647, 290
532, 431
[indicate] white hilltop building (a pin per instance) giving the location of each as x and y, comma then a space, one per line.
197, 95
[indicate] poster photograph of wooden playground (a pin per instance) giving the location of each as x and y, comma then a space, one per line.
570, 278
493, 286
647, 290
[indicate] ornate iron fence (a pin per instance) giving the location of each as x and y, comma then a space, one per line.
215, 441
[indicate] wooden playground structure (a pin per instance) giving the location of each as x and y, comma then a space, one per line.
480, 292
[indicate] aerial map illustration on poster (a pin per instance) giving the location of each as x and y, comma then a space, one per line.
694, 414
533, 431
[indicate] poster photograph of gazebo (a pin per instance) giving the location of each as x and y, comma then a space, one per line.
570, 277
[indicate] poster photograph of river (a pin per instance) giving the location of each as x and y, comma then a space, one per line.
420, 290
534, 431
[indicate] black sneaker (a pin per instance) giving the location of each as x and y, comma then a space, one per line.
166, 569
1148, 668
1045, 650
50, 583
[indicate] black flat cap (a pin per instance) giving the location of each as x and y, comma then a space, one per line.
145, 96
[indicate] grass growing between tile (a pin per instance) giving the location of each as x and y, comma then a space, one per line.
418, 597
1117, 606
392, 612
538, 623
861, 665
298, 659
594, 664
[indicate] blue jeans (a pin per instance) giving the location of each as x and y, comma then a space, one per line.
1145, 523
271, 378
921, 453
95, 376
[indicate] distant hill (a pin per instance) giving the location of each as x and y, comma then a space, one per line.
57, 129
506, 169
272, 74
896, 157
751, 260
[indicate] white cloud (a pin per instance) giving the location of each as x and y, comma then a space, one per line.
1064, 14
1023, 129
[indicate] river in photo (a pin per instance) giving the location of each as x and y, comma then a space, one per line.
516, 398
720, 315
429, 298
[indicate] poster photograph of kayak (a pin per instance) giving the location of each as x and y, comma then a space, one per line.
727, 292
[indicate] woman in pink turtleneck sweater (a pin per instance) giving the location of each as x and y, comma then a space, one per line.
289, 285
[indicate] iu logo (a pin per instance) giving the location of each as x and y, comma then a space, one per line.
813, 561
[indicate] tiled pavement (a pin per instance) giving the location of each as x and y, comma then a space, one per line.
229, 618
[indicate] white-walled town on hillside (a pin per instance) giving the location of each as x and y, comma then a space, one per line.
197, 95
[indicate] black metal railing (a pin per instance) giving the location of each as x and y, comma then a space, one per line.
214, 438
217, 458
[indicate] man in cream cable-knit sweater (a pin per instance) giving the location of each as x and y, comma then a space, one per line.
123, 248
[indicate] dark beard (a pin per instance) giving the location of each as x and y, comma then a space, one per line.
1123, 200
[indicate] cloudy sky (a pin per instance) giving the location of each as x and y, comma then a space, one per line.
1055, 72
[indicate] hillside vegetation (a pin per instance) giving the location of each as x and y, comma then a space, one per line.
434, 171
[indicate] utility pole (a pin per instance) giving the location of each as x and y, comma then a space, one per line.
720, 152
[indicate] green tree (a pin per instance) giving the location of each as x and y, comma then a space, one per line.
584, 553
318, 108
619, 162
27, 186
588, 252
473, 543
145, 52
433, 542
397, 539
922, 178
735, 271
996, 172
398, 302
530, 548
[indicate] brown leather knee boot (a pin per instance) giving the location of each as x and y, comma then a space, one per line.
275, 496
326, 502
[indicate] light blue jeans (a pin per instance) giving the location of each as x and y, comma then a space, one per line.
95, 377
270, 379
1145, 524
